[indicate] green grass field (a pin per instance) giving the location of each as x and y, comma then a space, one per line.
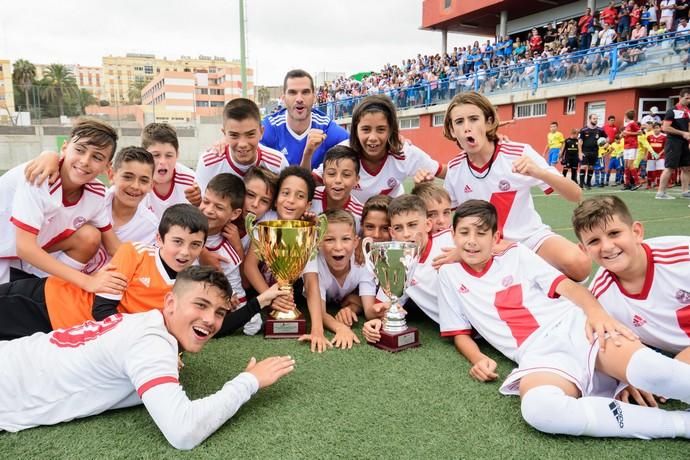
362, 403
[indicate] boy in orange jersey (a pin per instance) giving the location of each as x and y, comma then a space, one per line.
42, 305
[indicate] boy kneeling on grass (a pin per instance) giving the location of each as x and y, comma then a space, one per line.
126, 360
564, 367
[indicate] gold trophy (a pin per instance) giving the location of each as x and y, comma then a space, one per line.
285, 246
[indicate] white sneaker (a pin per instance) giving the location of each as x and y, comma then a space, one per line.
664, 196
685, 194
253, 326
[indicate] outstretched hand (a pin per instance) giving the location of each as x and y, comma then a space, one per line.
269, 370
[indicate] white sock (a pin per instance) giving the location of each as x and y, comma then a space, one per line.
70, 262
659, 374
253, 326
547, 408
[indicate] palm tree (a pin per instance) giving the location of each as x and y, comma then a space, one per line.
59, 81
23, 76
134, 92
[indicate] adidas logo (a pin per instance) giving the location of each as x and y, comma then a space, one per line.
617, 413
638, 321
468, 189
463, 289
145, 280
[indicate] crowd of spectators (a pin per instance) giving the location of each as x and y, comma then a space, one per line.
571, 48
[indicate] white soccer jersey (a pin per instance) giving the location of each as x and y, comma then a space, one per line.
319, 205
423, 289
358, 276
509, 192
219, 245
44, 212
141, 228
660, 313
183, 178
510, 300
388, 180
119, 362
211, 164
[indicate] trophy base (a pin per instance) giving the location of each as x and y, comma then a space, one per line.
398, 341
284, 328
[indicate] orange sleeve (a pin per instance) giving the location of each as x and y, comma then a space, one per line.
67, 304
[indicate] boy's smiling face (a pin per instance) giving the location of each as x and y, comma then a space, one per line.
132, 181
292, 200
242, 137
179, 248
376, 226
339, 178
218, 211
474, 241
83, 161
165, 157
440, 213
613, 245
411, 227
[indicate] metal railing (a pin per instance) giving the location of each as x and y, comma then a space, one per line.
635, 57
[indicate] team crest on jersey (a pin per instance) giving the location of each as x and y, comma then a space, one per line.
413, 282
392, 182
638, 321
78, 221
467, 189
683, 296
463, 289
507, 281
503, 185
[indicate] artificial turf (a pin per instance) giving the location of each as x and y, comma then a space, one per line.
360, 403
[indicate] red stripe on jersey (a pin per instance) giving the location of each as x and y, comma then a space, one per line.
548, 191
318, 194
23, 226
457, 160
599, 280
439, 170
99, 192
271, 159
427, 249
512, 149
56, 185
503, 201
377, 168
211, 159
317, 178
671, 262
155, 382
97, 185
603, 287
457, 332
398, 156
684, 249
106, 228
505, 251
552, 290
231, 251
517, 317
62, 236
683, 317
184, 181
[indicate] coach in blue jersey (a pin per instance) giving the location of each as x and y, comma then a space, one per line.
301, 132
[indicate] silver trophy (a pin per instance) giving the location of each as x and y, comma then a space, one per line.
393, 263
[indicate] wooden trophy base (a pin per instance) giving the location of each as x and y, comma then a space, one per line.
284, 328
398, 341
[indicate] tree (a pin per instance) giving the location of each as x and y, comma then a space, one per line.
264, 95
23, 76
59, 81
86, 98
134, 92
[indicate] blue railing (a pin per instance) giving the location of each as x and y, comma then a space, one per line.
634, 57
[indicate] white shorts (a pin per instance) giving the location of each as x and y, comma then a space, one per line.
660, 164
535, 240
630, 154
651, 165
563, 349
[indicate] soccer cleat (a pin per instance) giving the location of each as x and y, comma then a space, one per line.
664, 196
685, 194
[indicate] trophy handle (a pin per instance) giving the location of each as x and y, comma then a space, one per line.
321, 228
249, 228
366, 242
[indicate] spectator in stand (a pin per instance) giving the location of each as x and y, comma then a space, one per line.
607, 35
653, 13
585, 24
609, 15
651, 117
667, 8
536, 42
635, 15
623, 25
645, 17
519, 48
550, 35
681, 11
638, 32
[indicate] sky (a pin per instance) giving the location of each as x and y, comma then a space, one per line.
317, 35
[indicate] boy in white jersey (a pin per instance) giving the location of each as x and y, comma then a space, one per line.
566, 355
57, 228
645, 284
340, 176
239, 149
504, 174
173, 182
222, 203
132, 178
437, 203
409, 222
128, 360
340, 275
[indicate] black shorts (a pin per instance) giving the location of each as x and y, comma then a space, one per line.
571, 160
23, 309
589, 158
676, 153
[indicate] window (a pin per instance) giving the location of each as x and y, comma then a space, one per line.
447, 3
438, 119
202, 90
216, 92
409, 123
217, 103
148, 69
598, 109
570, 105
202, 103
530, 110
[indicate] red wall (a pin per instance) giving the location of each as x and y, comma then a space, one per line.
530, 130
434, 13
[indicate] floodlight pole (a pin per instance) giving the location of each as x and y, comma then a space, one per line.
243, 51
